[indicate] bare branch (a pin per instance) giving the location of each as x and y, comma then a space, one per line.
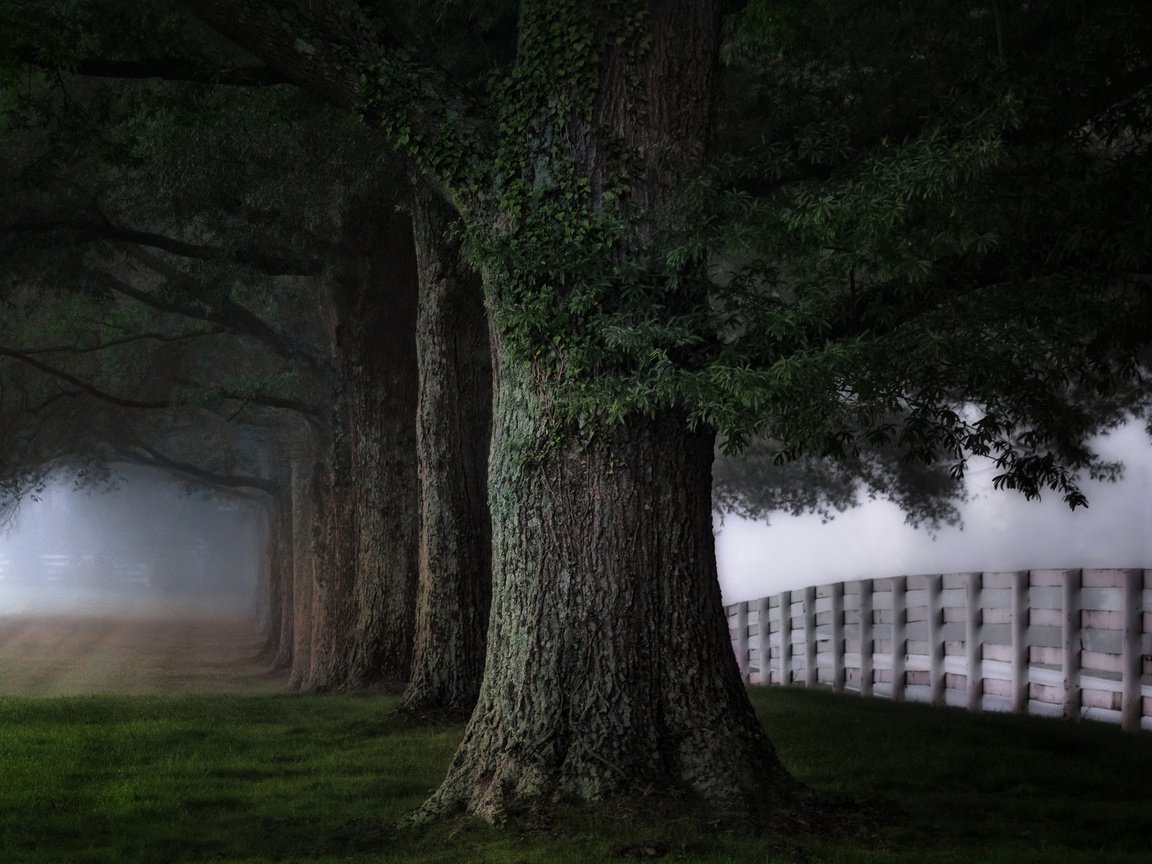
90, 389
155, 458
264, 400
222, 311
86, 230
159, 337
60, 394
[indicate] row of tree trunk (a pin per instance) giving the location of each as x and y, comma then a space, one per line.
606, 667
380, 557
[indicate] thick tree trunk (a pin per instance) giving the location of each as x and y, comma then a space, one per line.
387, 501
382, 356
365, 589
273, 535
608, 668
608, 665
453, 430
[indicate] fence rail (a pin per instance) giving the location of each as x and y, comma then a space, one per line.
1076, 643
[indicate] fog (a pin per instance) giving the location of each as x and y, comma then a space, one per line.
1001, 531
144, 544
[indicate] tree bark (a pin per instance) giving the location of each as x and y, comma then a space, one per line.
365, 592
303, 571
382, 398
333, 608
453, 431
279, 646
608, 666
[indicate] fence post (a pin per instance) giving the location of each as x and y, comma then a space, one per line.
972, 646
865, 637
838, 637
1132, 661
742, 639
936, 676
1071, 644
810, 672
899, 637
1020, 656
785, 638
764, 640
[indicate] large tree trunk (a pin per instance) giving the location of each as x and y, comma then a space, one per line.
275, 606
383, 409
453, 426
364, 598
608, 668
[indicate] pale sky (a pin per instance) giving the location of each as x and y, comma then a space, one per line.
1001, 531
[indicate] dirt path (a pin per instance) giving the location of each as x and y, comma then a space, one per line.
66, 655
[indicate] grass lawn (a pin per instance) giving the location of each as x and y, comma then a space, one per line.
320, 778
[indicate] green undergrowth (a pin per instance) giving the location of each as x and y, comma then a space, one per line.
323, 778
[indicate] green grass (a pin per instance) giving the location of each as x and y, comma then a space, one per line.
310, 778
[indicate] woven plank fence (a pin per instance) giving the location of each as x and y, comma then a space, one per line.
1076, 643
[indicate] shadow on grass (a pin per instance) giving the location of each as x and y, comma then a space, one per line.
321, 778
979, 785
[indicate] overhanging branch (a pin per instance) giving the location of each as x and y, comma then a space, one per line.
73, 349
86, 230
183, 69
331, 50
222, 311
265, 400
88, 388
155, 458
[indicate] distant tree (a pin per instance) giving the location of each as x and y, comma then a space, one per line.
178, 217
263, 222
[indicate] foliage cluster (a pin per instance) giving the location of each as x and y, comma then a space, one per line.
924, 226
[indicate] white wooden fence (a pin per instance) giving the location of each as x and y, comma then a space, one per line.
1076, 643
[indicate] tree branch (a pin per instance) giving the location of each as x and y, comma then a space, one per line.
90, 389
334, 52
157, 459
263, 399
222, 311
180, 69
59, 394
72, 349
88, 230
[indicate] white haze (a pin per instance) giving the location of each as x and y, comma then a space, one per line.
143, 547
1001, 531
149, 546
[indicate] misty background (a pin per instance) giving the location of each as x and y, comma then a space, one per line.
148, 543
1000, 531
142, 544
